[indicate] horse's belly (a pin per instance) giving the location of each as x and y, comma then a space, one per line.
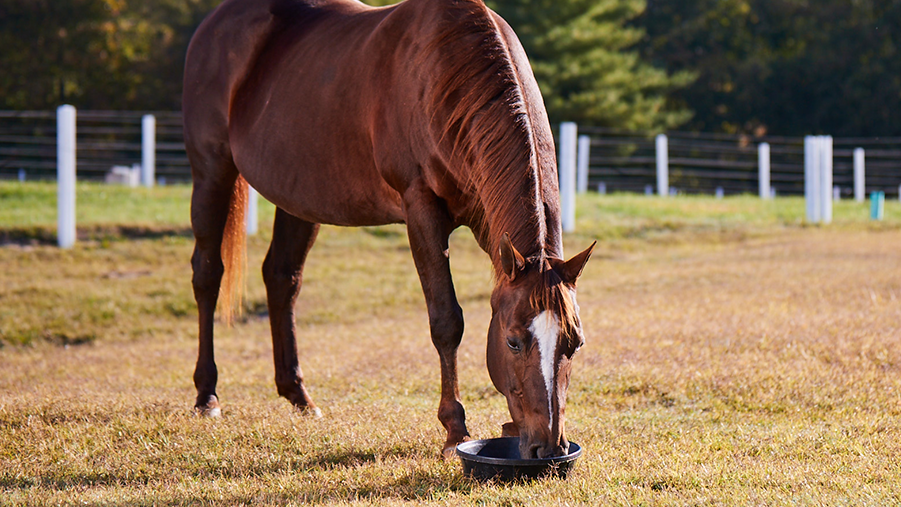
329, 198
351, 211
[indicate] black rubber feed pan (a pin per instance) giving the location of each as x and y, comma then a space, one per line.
499, 458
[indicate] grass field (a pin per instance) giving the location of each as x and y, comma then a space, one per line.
734, 356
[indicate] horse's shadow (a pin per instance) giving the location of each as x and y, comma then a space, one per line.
415, 484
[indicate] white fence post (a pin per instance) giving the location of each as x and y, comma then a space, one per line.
65, 175
811, 179
662, 165
582, 164
148, 150
567, 167
253, 220
818, 178
763, 169
826, 179
859, 175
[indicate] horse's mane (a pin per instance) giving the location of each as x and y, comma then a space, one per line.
483, 126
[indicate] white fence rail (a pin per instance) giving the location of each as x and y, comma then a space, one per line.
567, 171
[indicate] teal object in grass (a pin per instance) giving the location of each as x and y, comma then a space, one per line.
877, 205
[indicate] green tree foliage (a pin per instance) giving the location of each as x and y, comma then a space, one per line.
129, 54
789, 67
581, 54
98, 54
762, 66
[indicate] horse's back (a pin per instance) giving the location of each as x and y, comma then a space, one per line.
326, 107
227, 44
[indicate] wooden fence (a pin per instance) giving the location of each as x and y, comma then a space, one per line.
702, 163
620, 160
104, 139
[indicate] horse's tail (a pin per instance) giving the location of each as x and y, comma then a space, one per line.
234, 255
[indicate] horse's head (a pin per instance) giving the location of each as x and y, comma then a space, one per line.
535, 331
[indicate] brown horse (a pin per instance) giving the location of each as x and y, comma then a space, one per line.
425, 113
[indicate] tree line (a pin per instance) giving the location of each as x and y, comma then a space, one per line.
781, 67
784, 67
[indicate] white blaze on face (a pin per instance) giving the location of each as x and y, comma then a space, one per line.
545, 329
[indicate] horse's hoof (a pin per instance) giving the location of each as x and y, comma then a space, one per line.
450, 450
311, 412
214, 412
207, 406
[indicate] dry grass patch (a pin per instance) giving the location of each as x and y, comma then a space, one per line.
736, 364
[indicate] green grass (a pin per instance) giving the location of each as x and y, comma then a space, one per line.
734, 356
628, 215
32, 207
34, 204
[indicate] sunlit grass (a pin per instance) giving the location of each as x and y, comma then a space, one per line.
33, 205
734, 356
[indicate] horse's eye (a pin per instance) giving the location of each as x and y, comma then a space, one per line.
514, 344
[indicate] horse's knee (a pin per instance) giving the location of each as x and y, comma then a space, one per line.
279, 276
208, 271
447, 327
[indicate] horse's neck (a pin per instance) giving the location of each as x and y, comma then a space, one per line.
502, 159
529, 213
516, 193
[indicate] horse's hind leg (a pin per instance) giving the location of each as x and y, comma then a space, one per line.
213, 185
292, 239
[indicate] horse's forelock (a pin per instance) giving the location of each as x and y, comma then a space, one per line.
553, 294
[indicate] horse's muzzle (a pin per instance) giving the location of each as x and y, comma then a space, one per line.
543, 451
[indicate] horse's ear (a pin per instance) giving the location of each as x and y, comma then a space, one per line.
511, 261
572, 269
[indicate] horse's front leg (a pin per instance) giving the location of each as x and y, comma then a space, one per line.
428, 227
